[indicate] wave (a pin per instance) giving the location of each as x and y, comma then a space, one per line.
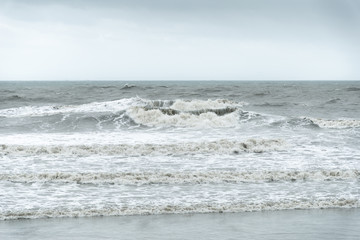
331, 101
214, 113
136, 111
218, 147
182, 113
118, 105
336, 124
232, 207
267, 104
13, 98
261, 94
309, 122
36, 111
169, 117
194, 105
127, 86
129, 112
17, 98
353, 89
219, 112
207, 177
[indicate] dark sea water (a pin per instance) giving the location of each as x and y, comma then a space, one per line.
73, 149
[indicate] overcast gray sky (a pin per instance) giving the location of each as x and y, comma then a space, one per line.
179, 39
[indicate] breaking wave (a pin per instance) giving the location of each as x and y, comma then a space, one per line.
317, 123
232, 207
38, 111
340, 124
154, 113
128, 86
116, 106
218, 147
227, 117
183, 113
208, 177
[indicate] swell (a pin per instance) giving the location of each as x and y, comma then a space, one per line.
332, 101
18, 98
219, 147
206, 177
178, 208
268, 104
352, 89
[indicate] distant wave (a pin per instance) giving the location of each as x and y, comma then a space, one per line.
334, 100
17, 98
260, 94
220, 147
205, 177
12, 98
352, 89
102, 87
179, 208
267, 104
128, 86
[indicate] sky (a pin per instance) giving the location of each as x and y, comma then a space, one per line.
179, 40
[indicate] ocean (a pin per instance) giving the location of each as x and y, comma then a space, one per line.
110, 148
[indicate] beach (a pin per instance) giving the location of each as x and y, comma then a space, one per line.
291, 224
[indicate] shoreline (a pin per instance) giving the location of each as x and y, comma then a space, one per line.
336, 223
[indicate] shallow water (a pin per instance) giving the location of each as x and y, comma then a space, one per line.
291, 224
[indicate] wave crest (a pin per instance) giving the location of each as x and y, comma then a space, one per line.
336, 124
206, 177
232, 207
217, 147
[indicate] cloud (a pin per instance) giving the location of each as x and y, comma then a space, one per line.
168, 40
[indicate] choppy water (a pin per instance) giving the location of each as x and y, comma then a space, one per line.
109, 148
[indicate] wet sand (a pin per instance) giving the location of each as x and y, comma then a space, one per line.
291, 224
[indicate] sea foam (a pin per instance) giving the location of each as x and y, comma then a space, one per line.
214, 147
340, 123
185, 177
233, 207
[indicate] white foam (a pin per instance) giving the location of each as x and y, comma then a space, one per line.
205, 177
33, 111
341, 123
118, 210
155, 118
187, 113
218, 147
195, 105
116, 106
